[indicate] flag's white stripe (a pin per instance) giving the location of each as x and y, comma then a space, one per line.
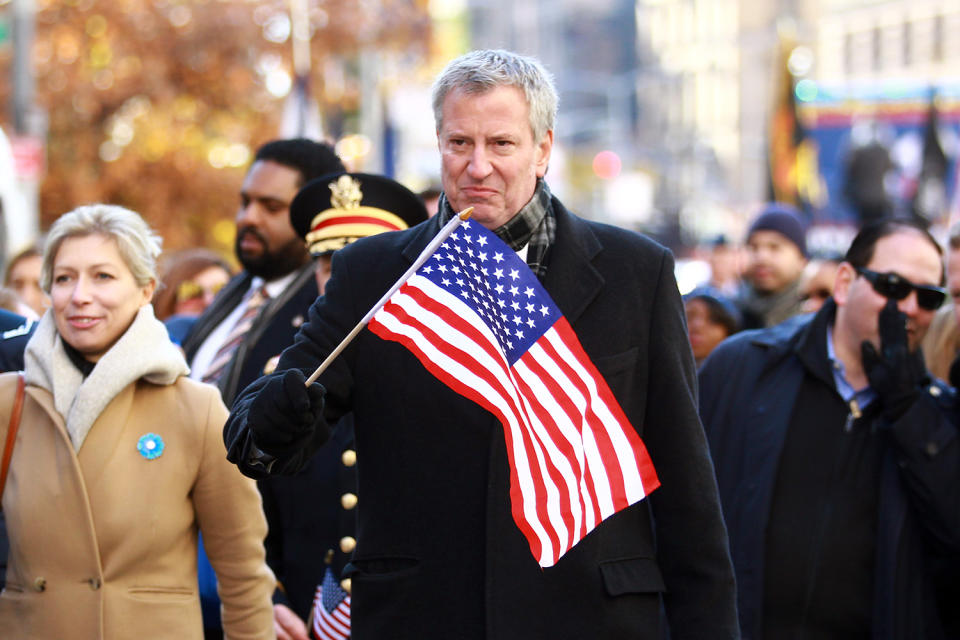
626, 457
553, 458
341, 613
327, 627
470, 379
574, 477
588, 443
526, 476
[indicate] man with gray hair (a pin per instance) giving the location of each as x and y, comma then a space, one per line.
438, 553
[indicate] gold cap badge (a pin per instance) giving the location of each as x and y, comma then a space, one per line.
345, 193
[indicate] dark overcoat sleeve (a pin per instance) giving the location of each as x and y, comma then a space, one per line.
692, 547
331, 317
927, 453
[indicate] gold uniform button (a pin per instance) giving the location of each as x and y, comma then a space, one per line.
935, 391
347, 544
348, 500
40, 584
349, 458
346, 584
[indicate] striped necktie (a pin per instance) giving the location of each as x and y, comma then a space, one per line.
225, 353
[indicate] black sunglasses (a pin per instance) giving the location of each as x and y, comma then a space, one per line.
895, 287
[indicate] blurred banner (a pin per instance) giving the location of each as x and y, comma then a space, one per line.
793, 172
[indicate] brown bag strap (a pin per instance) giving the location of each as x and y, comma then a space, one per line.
12, 431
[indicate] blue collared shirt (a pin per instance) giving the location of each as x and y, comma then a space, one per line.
857, 399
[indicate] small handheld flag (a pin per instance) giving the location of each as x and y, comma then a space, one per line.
478, 319
331, 610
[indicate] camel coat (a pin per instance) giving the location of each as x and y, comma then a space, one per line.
104, 541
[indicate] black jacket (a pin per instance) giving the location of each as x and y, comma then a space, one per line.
747, 390
271, 333
438, 553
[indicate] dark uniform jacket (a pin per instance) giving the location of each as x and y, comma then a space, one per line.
438, 553
271, 333
748, 386
312, 518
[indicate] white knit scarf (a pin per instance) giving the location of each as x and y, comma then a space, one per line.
143, 351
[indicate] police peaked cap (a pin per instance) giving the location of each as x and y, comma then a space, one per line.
332, 211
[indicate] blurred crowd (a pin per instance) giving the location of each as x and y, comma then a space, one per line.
818, 389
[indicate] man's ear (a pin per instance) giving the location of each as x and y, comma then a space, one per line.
841, 285
542, 158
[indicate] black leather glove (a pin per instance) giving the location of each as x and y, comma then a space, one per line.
284, 414
895, 373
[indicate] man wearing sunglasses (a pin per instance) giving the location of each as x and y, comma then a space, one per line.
836, 453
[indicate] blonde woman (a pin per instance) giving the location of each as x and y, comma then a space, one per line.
119, 460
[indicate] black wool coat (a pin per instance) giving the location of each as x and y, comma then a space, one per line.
438, 553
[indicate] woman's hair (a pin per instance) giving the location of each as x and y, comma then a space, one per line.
138, 244
29, 252
480, 71
179, 268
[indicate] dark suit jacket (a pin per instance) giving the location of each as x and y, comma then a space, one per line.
750, 384
271, 333
15, 332
438, 553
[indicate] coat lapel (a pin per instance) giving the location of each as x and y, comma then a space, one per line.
106, 435
572, 280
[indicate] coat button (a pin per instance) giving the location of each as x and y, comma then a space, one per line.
346, 584
935, 391
932, 449
94, 583
348, 500
40, 584
347, 544
349, 458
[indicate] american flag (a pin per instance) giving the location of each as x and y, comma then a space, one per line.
331, 610
479, 320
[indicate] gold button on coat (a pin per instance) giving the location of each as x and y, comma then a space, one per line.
349, 458
40, 584
347, 544
348, 500
345, 584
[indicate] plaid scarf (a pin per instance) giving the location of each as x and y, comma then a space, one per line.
534, 226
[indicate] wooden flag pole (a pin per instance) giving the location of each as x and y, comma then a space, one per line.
439, 239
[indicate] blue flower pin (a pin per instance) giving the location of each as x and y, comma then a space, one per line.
150, 446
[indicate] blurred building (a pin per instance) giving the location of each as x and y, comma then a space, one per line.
858, 41
709, 75
707, 88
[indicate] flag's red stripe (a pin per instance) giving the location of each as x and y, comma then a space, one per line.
608, 454
504, 379
576, 417
526, 435
326, 627
469, 392
556, 435
563, 400
648, 474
